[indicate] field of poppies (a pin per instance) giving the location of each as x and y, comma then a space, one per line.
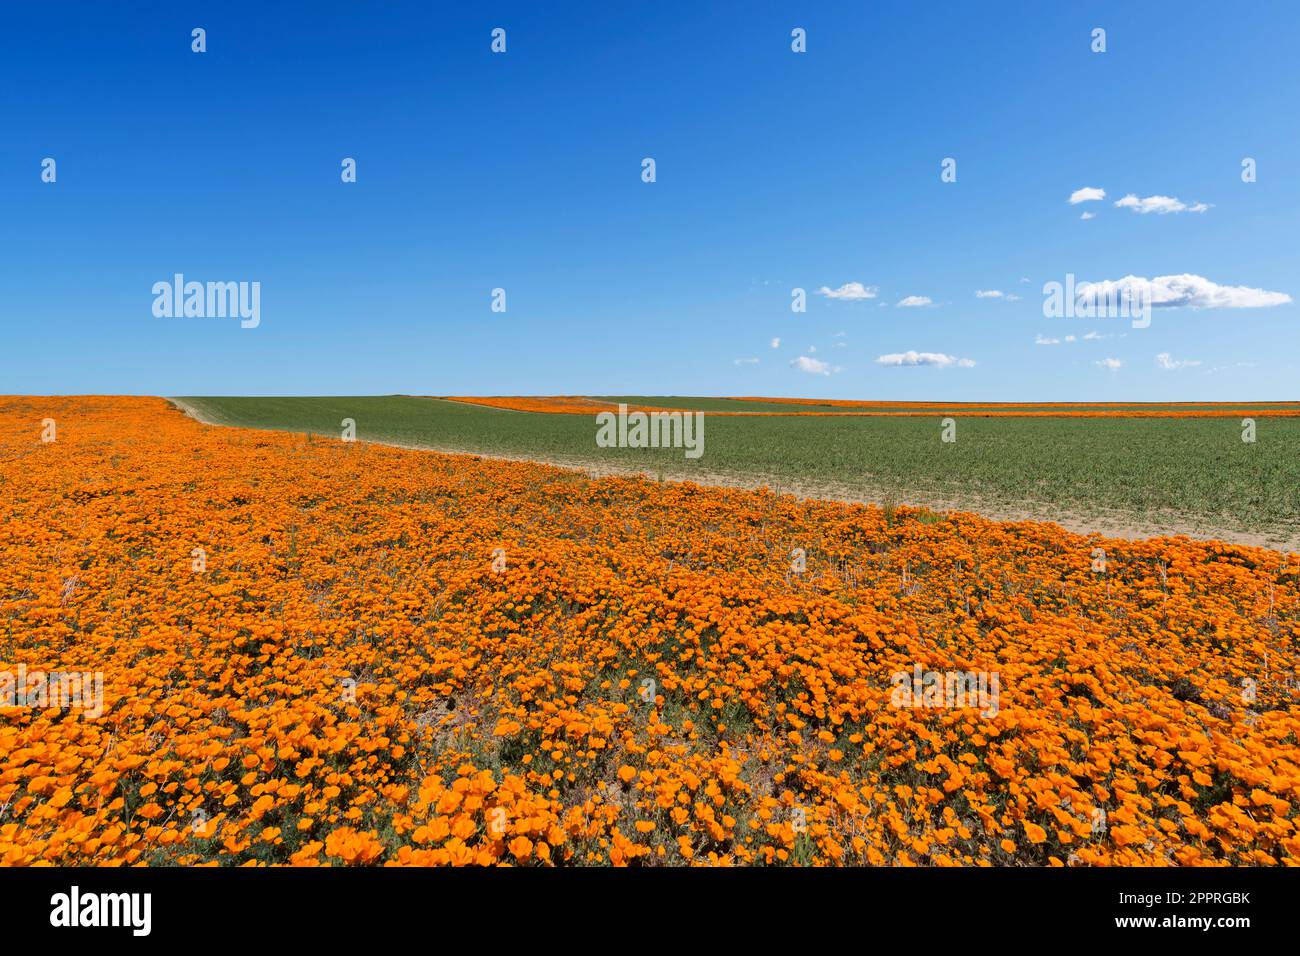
324, 652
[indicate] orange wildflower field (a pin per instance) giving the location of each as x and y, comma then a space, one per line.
317, 652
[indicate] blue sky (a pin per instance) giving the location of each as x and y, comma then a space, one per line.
774, 170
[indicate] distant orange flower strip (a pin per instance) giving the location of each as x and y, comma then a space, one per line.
578, 405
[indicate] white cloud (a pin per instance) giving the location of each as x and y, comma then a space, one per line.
1069, 338
1044, 340
1110, 364
813, 366
914, 301
1169, 292
1169, 363
910, 359
1089, 215
746, 361
850, 292
1087, 194
988, 293
776, 343
1160, 204
811, 349
1024, 279
1095, 336
1223, 368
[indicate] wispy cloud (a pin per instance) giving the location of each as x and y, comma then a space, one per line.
746, 361
1159, 204
1168, 292
914, 301
1044, 340
1089, 215
912, 359
850, 292
1087, 194
812, 366
776, 343
1169, 363
1224, 368
989, 293
1110, 364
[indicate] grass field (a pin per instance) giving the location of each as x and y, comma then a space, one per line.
1140, 475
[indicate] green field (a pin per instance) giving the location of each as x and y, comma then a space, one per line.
1123, 474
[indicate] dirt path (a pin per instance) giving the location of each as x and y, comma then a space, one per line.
1115, 524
